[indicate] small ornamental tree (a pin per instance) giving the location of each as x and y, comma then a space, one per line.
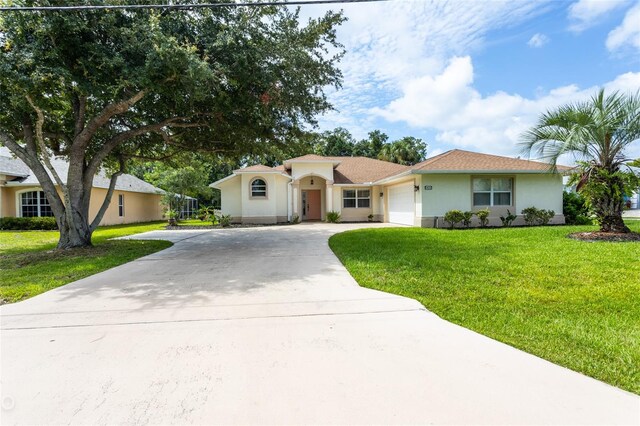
466, 218
599, 132
453, 217
100, 88
483, 217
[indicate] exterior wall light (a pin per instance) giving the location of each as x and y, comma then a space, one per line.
416, 188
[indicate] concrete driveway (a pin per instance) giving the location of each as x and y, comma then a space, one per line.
265, 326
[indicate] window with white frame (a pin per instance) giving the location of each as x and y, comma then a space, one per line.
34, 204
258, 188
492, 191
121, 205
356, 198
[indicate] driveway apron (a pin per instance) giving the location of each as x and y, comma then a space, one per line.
265, 326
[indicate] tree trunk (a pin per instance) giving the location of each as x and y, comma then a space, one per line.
75, 233
609, 214
613, 223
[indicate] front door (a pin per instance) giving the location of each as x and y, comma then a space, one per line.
311, 204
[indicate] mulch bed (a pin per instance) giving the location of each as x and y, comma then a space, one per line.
606, 236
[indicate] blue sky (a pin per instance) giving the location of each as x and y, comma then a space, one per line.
475, 74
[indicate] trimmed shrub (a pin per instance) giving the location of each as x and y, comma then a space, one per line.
508, 219
453, 217
466, 218
28, 224
530, 215
483, 217
544, 216
224, 220
333, 217
534, 216
575, 210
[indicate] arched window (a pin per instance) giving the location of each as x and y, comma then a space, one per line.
258, 188
34, 204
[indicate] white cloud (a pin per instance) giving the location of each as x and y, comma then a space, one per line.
462, 117
627, 33
538, 40
388, 43
584, 14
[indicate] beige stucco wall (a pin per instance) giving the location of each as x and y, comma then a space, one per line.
324, 170
454, 191
138, 207
236, 199
231, 197
282, 198
7, 201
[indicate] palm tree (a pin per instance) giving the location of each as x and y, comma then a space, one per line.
597, 132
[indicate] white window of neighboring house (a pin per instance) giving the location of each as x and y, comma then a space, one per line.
190, 208
492, 191
258, 188
356, 198
34, 204
121, 205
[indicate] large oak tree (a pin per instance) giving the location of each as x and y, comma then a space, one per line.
100, 88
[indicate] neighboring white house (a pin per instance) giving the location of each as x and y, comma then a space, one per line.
419, 195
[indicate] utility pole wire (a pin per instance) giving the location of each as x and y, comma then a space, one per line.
177, 6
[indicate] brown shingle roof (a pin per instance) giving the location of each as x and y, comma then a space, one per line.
363, 169
460, 160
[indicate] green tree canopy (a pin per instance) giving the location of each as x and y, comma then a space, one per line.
598, 132
407, 151
100, 88
371, 146
335, 143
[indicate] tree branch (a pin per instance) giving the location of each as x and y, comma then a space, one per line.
108, 196
57, 137
112, 143
43, 148
82, 139
79, 110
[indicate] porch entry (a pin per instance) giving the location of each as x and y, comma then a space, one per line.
311, 204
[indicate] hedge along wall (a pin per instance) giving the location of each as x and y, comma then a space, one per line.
28, 224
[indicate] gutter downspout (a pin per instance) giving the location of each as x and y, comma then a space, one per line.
289, 201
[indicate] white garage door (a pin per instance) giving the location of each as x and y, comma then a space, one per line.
401, 204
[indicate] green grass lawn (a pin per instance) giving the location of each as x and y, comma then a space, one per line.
571, 302
29, 265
